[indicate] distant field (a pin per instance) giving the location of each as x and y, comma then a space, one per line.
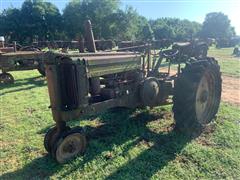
230, 65
132, 144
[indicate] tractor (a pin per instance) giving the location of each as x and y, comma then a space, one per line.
236, 52
81, 84
14, 58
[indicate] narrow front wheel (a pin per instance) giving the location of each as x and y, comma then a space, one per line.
69, 145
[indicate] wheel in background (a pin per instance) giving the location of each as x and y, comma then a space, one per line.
6, 78
41, 69
29, 48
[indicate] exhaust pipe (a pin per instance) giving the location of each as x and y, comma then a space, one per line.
90, 42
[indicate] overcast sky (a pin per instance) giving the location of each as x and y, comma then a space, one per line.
194, 10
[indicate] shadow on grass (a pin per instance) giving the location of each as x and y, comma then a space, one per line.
31, 83
116, 129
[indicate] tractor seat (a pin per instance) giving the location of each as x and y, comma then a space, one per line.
181, 44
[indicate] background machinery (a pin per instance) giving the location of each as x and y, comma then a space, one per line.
12, 59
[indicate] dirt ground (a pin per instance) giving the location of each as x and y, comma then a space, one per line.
231, 90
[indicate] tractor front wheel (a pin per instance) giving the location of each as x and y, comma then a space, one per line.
51, 136
197, 95
68, 145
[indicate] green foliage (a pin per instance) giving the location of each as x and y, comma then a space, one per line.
77, 12
173, 28
121, 25
109, 22
132, 26
41, 20
35, 20
217, 25
145, 33
11, 23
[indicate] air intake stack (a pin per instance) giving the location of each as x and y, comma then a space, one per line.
90, 42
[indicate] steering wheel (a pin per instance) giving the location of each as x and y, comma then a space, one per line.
170, 53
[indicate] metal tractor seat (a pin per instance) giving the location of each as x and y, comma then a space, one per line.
182, 44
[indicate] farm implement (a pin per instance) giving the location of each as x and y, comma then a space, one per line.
24, 59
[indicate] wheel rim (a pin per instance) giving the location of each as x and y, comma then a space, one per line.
70, 146
6, 78
205, 98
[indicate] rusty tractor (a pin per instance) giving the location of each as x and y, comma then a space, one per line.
236, 51
88, 83
197, 49
73, 45
12, 59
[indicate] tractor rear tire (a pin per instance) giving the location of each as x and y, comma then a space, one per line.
30, 48
197, 96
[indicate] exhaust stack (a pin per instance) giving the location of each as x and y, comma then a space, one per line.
90, 42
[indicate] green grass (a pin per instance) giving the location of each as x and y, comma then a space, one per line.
230, 65
127, 144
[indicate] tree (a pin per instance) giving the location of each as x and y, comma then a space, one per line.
11, 24
144, 30
76, 12
41, 20
217, 25
129, 25
163, 31
145, 33
108, 20
116, 26
35, 20
126, 25
174, 28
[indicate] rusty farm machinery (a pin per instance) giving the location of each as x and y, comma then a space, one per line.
88, 83
12, 59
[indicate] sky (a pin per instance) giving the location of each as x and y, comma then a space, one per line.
194, 10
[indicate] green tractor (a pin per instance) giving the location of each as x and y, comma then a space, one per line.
88, 83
